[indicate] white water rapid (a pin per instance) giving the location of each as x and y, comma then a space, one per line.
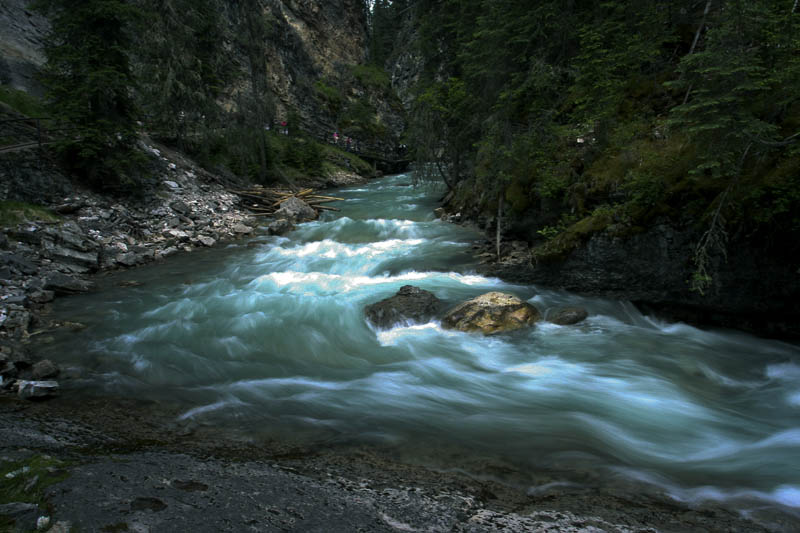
269, 340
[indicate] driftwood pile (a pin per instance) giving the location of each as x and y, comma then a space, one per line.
264, 202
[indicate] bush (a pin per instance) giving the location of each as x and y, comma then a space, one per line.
22, 102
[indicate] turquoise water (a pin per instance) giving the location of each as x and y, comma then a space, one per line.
269, 341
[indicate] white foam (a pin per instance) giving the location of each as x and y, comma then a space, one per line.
784, 372
793, 399
191, 413
788, 495
318, 282
531, 369
392, 336
330, 249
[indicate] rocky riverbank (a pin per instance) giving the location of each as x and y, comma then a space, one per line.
109, 464
84, 233
754, 287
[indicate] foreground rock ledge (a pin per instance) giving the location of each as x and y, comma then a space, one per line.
490, 313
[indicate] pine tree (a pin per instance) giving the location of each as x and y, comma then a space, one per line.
91, 86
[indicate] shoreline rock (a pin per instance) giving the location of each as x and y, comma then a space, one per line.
184, 209
753, 292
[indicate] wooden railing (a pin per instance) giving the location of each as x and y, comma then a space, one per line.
40, 131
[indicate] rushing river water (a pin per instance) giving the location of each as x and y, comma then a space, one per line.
270, 340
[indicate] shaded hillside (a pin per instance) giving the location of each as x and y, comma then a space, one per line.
586, 127
209, 77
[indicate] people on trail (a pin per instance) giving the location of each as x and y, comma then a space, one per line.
284, 128
347, 141
336, 138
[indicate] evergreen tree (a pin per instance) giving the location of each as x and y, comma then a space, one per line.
91, 86
182, 67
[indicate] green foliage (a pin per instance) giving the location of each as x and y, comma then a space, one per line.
372, 77
360, 119
331, 97
740, 85
655, 109
26, 481
182, 66
332, 154
386, 19
22, 102
13, 213
90, 85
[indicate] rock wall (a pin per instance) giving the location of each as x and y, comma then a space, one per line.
311, 40
754, 289
307, 41
21, 42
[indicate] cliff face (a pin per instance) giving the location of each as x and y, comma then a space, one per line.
21, 45
754, 284
305, 43
309, 41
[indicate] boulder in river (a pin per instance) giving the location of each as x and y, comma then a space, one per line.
296, 210
565, 316
410, 305
493, 312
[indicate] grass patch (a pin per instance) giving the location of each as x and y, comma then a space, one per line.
330, 95
13, 213
560, 245
22, 102
26, 481
372, 77
333, 156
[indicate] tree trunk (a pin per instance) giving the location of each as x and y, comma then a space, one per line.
499, 223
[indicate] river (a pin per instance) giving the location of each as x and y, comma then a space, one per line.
267, 339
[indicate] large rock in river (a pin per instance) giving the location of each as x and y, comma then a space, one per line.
410, 305
493, 312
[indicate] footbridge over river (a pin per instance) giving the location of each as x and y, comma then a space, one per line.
384, 164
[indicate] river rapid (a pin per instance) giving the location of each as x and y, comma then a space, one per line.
267, 340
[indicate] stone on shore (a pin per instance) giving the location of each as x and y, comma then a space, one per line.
34, 390
44, 369
566, 316
410, 305
280, 226
65, 284
242, 229
205, 240
490, 313
296, 210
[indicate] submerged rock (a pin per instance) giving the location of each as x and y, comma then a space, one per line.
565, 316
410, 305
493, 312
280, 227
